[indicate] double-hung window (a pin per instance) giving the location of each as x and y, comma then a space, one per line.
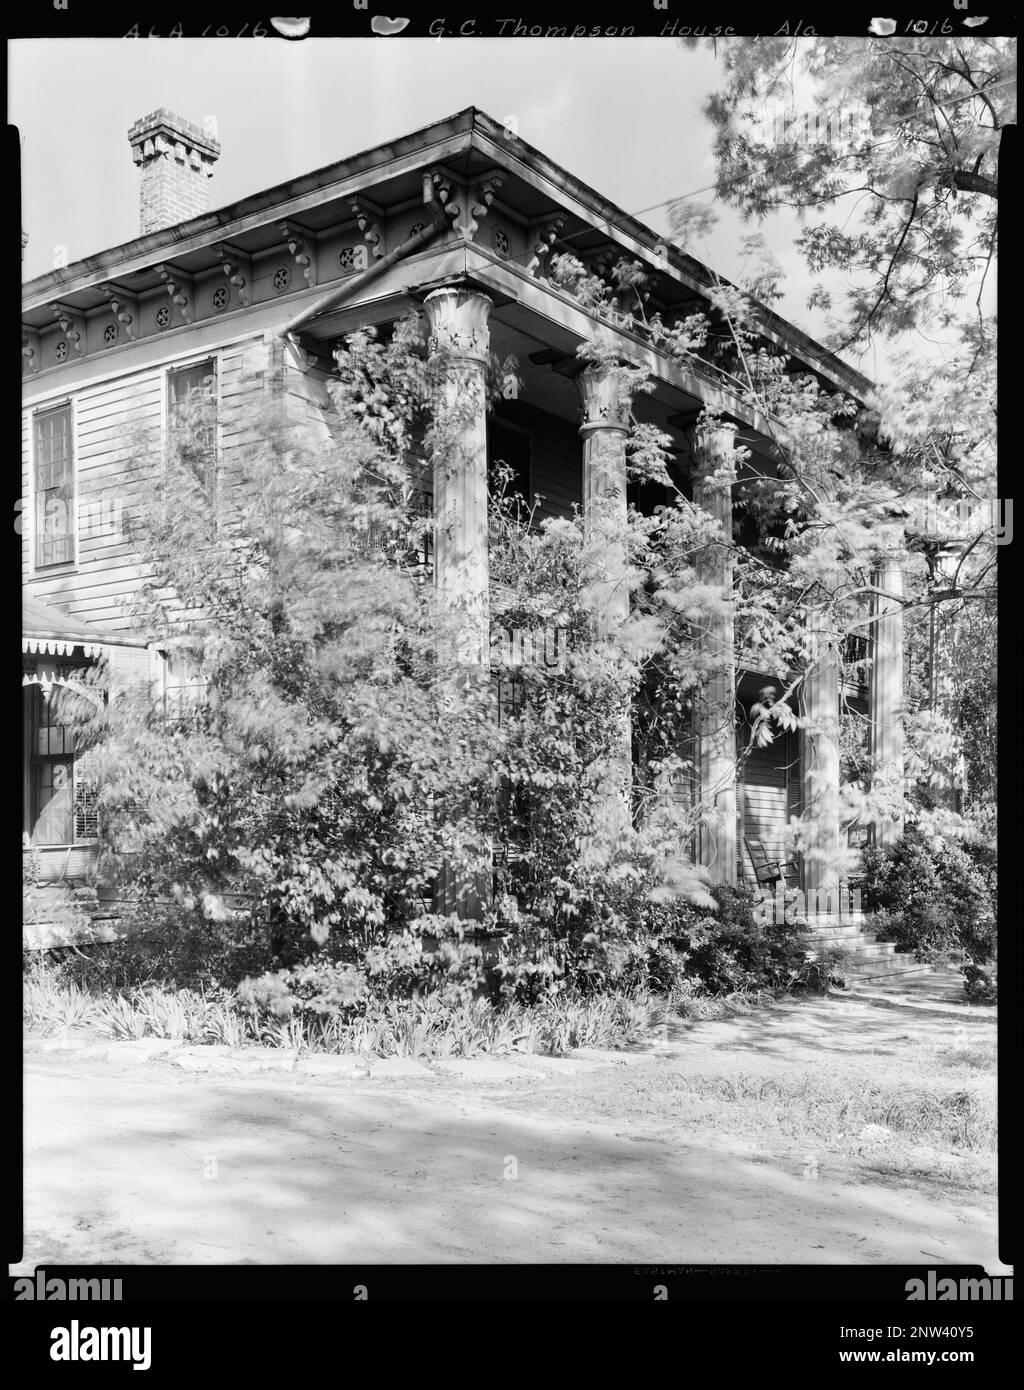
184, 688
54, 487
63, 794
192, 420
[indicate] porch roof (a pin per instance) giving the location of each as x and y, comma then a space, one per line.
470, 140
49, 631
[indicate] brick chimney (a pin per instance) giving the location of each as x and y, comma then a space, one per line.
176, 159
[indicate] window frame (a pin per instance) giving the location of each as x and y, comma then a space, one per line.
183, 689
211, 486
36, 529
78, 778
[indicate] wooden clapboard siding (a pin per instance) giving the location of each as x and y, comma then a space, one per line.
99, 586
110, 416
307, 402
24, 522
765, 799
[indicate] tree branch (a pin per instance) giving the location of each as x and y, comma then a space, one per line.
967, 181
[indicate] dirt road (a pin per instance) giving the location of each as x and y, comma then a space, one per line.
150, 1163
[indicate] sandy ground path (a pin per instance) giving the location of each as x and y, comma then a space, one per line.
152, 1164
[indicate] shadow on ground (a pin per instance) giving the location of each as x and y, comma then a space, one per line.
146, 1164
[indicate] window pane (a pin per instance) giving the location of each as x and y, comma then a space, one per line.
184, 688
195, 382
53, 785
62, 813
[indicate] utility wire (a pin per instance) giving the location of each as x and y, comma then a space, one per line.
787, 159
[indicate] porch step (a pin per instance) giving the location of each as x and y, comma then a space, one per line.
48, 936
838, 933
838, 926
891, 968
65, 892
849, 949
867, 953
864, 952
66, 912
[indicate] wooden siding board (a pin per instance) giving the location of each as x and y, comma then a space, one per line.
765, 800
101, 586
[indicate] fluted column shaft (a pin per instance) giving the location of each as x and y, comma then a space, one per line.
458, 348
459, 343
886, 687
604, 430
819, 706
716, 705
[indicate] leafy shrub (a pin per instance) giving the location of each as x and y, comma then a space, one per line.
622, 940
828, 969
175, 945
430, 957
441, 967
929, 897
320, 987
968, 871
730, 950
980, 983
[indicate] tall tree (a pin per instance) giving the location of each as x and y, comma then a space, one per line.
890, 144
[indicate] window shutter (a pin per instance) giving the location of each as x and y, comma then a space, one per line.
86, 819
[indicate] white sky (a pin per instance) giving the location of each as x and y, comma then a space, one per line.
623, 115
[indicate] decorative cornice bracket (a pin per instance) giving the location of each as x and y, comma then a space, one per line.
180, 288
480, 200
125, 309
237, 266
72, 326
301, 244
547, 233
370, 221
31, 347
444, 191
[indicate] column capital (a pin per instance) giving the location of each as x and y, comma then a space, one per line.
458, 319
714, 444
604, 403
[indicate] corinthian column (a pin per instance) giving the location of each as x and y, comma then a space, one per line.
458, 348
714, 473
604, 431
886, 689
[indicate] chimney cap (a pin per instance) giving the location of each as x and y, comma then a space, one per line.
162, 130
